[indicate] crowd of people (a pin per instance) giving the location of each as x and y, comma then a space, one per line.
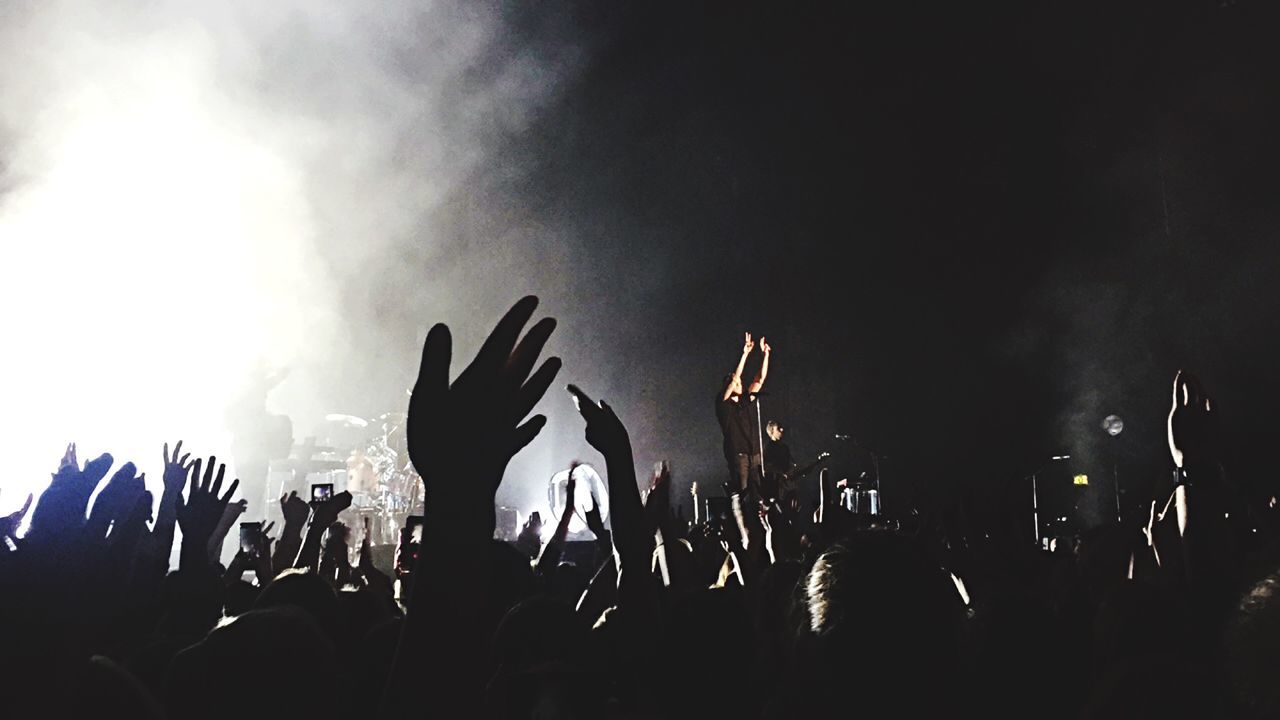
776, 611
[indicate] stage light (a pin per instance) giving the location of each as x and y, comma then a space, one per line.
588, 482
1080, 480
157, 253
1113, 425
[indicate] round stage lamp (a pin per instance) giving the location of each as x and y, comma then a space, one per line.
588, 482
1113, 425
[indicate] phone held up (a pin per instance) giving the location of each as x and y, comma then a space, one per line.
321, 492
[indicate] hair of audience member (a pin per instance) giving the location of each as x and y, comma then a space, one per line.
1252, 650
880, 610
308, 591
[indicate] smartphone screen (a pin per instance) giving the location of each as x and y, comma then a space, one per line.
250, 533
321, 492
414, 525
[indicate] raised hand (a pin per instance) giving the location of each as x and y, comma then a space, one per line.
62, 505
1192, 424
69, 458
632, 535
176, 469
199, 514
230, 514
764, 346
10, 523
117, 500
605, 432
326, 512
748, 344
463, 434
294, 509
658, 502
262, 563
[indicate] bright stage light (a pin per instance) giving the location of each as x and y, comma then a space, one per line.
587, 483
156, 252
1113, 425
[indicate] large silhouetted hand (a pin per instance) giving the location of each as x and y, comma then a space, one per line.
462, 434
199, 514
60, 513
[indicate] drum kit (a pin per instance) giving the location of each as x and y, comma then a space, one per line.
368, 458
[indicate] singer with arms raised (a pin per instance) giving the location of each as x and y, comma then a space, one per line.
736, 412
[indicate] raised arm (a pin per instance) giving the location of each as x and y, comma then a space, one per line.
554, 548
461, 436
177, 467
764, 368
632, 537
747, 346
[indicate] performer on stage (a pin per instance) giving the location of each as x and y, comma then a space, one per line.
736, 414
777, 462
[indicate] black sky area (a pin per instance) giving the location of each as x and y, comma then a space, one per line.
970, 230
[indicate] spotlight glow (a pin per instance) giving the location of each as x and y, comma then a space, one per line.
155, 255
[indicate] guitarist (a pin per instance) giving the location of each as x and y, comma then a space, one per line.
777, 462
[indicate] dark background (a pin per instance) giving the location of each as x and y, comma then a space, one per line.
970, 231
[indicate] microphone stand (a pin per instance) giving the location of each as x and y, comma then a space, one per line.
760, 436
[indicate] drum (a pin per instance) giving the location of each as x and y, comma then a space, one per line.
861, 501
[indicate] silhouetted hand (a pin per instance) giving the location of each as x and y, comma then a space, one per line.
116, 501
462, 435
294, 509
10, 523
69, 458
658, 502
230, 514
199, 514
62, 505
176, 469
326, 513
262, 563
1192, 423
605, 432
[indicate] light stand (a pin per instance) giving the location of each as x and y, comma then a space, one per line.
1035, 495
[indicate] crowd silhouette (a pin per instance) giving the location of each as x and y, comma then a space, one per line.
778, 611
